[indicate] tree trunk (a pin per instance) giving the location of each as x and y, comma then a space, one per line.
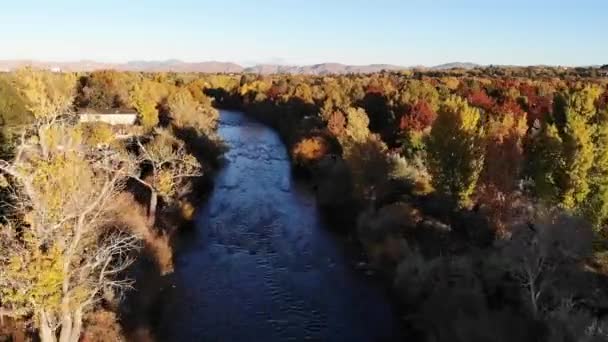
45, 332
77, 326
66, 327
71, 326
152, 208
533, 299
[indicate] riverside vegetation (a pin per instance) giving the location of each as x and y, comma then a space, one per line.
481, 192
82, 201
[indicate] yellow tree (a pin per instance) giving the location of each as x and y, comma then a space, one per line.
144, 101
578, 147
596, 206
47, 94
455, 149
187, 112
172, 166
60, 249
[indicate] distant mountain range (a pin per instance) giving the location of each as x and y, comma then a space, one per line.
220, 67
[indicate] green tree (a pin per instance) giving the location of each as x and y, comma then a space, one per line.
544, 162
455, 149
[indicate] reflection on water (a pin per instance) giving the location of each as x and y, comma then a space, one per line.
260, 265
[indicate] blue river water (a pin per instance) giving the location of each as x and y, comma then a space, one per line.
261, 265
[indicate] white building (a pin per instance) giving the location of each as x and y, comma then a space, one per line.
111, 118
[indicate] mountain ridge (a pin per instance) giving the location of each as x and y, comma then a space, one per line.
176, 65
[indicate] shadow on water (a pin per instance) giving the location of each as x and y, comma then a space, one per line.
259, 264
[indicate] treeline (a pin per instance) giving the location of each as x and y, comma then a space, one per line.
482, 195
80, 200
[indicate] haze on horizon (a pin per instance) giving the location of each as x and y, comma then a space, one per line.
406, 33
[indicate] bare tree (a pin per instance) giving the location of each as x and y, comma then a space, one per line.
61, 248
539, 253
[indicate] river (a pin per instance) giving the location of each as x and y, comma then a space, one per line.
261, 265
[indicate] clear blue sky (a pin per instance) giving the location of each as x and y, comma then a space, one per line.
406, 32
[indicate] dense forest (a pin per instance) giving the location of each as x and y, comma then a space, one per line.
480, 195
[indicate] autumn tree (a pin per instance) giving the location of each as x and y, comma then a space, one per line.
414, 127
14, 116
578, 148
455, 150
309, 149
61, 247
106, 89
544, 162
172, 166
144, 98
578, 160
46, 94
504, 162
336, 122
303, 92
479, 98
370, 167
366, 156
185, 111
596, 206
357, 125
420, 117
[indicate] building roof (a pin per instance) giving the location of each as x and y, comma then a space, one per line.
113, 111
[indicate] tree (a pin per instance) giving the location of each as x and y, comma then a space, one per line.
357, 124
420, 117
187, 112
578, 158
14, 116
171, 167
46, 94
303, 92
336, 122
545, 161
309, 149
479, 98
539, 253
578, 148
596, 206
504, 157
145, 104
455, 149
61, 248
370, 167
106, 89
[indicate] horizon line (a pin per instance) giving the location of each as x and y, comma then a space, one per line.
270, 63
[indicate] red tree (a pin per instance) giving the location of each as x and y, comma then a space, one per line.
420, 117
480, 99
